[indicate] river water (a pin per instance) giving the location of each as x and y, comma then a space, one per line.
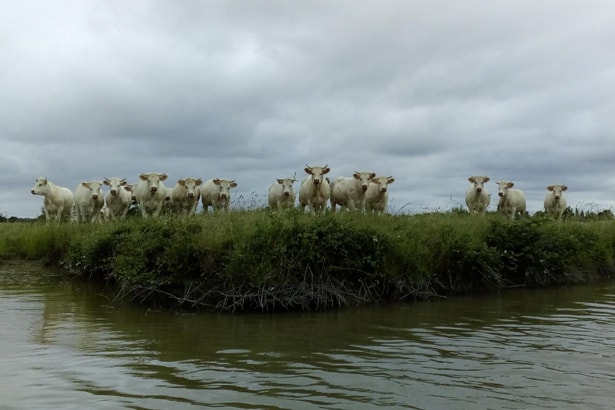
67, 345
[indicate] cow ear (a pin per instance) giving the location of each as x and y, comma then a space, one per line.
486, 179
181, 182
372, 175
233, 184
280, 180
308, 170
123, 182
85, 184
198, 182
326, 170
511, 184
216, 181
106, 181
390, 180
356, 175
471, 179
143, 177
162, 177
550, 188
564, 187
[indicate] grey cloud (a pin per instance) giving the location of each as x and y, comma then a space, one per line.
429, 92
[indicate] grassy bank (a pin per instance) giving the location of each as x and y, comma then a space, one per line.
262, 261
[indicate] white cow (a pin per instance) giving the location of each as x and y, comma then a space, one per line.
477, 196
151, 193
217, 194
315, 190
349, 192
555, 203
58, 202
282, 194
89, 200
512, 200
377, 196
119, 197
184, 197
104, 214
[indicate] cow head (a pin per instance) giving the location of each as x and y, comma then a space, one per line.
115, 184
224, 187
557, 190
153, 180
94, 188
364, 178
40, 186
317, 173
190, 186
287, 185
503, 188
479, 182
382, 183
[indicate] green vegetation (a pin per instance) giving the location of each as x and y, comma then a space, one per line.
262, 261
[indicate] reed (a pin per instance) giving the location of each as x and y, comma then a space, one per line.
256, 260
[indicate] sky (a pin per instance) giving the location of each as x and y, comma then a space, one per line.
429, 92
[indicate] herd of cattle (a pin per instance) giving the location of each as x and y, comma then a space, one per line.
511, 200
363, 191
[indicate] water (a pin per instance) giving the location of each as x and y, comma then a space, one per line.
67, 345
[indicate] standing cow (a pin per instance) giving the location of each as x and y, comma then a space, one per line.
349, 192
315, 190
477, 196
151, 193
217, 194
555, 203
119, 197
281, 194
377, 196
184, 196
89, 200
58, 201
512, 200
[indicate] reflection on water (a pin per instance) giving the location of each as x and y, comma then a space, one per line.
66, 345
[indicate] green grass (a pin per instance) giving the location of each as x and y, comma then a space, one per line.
256, 260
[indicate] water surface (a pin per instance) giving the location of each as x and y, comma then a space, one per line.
67, 345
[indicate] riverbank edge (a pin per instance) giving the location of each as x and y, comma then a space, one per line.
270, 263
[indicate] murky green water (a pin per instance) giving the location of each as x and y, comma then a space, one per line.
67, 346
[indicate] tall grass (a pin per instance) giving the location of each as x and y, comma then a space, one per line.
259, 260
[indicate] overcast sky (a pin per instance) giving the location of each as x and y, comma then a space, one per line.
429, 92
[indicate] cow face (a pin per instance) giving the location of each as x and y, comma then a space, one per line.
503, 188
153, 181
364, 178
115, 184
191, 186
479, 183
40, 186
557, 190
287, 185
224, 187
317, 173
94, 188
382, 182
